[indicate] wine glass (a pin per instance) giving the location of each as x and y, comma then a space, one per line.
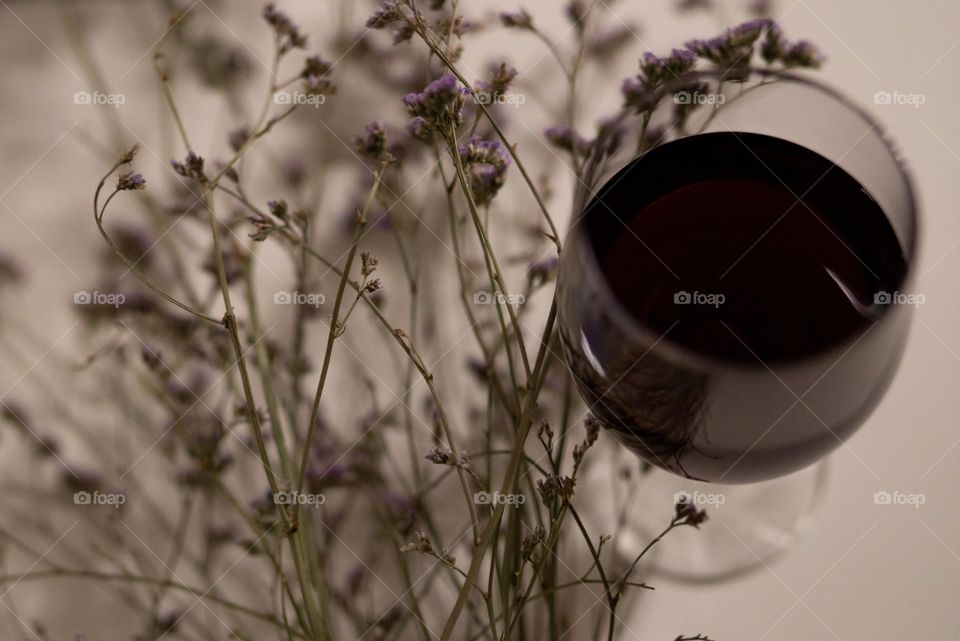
733, 304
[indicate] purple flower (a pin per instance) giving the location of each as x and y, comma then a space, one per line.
403, 33
566, 138
287, 33
713, 49
747, 33
487, 162
418, 128
316, 66
516, 19
656, 69
498, 82
386, 14
191, 167
438, 108
131, 181
639, 95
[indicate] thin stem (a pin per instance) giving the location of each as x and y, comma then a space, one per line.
335, 325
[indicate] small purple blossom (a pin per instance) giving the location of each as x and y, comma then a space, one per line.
498, 82
638, 95
746, 34
373, 143
316, 66
566, 138
131, 181
438, 108
287, 33
487, 162
656, 69
388, 13
191, 167
516, 19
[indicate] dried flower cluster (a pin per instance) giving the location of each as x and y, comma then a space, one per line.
301, 505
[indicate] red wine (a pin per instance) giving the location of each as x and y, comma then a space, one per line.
718, 327
746, 247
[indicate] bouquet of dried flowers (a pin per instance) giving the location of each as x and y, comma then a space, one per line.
364, 460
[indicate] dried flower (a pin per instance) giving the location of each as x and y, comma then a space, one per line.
191, 167
554, 488
576, 12
802, 54
441, 456
388, 13
487, 162
734, 49
592, 428
686, 513
278, 208
368, 263
638, 95
610, 42
287, 33
373, 144
131, 181
316, 77
263, 227
128, 157
655, 69
517, 19
438, 108
424, 545
530, 544
372, 286
219, 64
497, 84
566, 138
238, 138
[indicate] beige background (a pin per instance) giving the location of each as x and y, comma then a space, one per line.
865, 571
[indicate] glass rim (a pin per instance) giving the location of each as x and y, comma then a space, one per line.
672, 351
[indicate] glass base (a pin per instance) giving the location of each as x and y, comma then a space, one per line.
746, 526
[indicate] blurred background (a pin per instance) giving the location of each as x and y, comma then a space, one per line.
865, 570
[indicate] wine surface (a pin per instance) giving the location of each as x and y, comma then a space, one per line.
744, 247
